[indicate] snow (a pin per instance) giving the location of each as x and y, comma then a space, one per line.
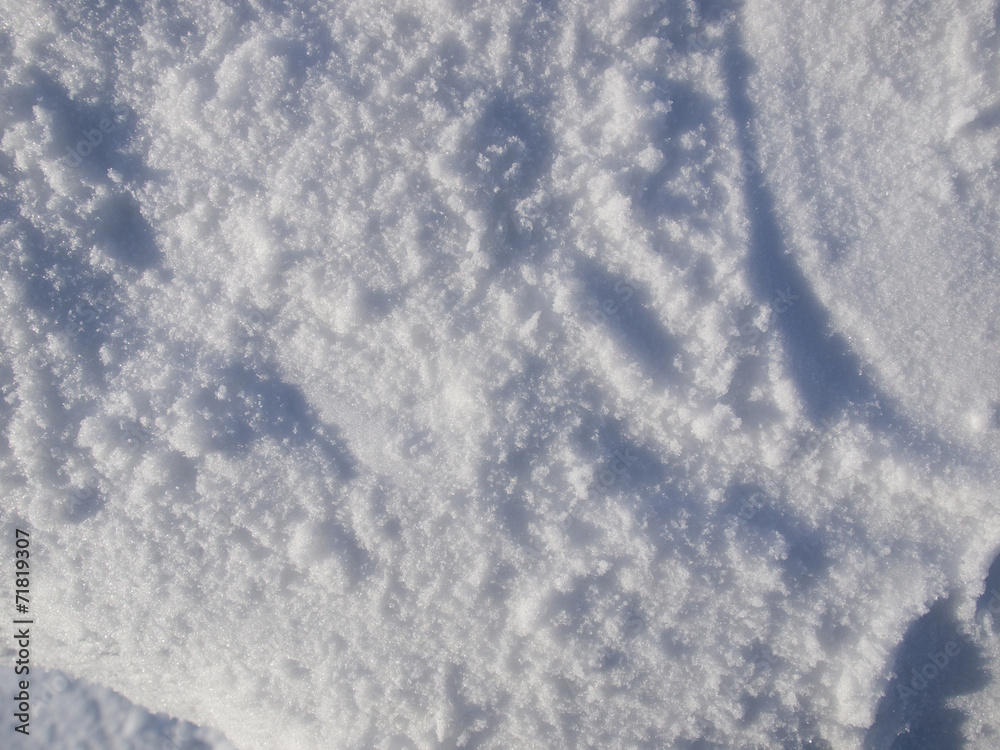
505, 374
69, 714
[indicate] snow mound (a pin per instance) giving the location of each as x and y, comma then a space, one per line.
507, 374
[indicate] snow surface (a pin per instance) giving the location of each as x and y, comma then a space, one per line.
508, 374
69, 714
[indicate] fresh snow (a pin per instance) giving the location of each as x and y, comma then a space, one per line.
70, 714
504, 374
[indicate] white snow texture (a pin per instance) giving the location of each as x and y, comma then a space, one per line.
69, 714
506, 373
